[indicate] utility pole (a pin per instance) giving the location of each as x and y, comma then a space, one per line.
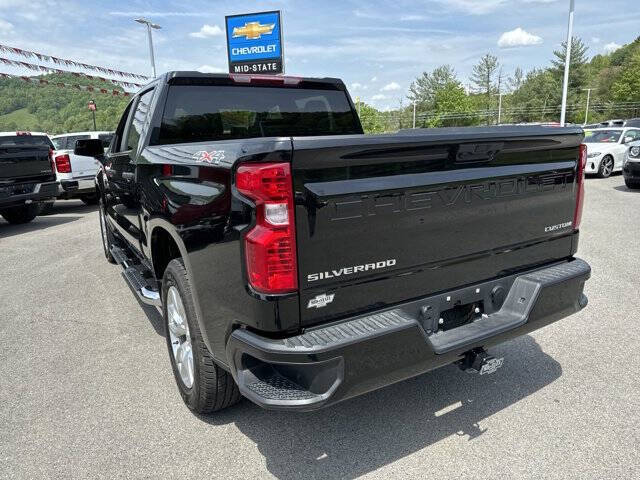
499, 95
414, 114
567, 61
155, 26
586, 112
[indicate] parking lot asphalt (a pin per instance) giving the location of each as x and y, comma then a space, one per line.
86, 389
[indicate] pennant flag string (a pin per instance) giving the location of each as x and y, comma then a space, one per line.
42, 68
69, 63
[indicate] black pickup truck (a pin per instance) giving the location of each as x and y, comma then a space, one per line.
27, 175
299, 262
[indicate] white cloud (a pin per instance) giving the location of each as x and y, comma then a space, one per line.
411, 18
474, 7
539, 1
390, 87
518, 38
379, 96
5, 27
374, 79
595, 39
210, 69
611, 47
208, 31
358, 86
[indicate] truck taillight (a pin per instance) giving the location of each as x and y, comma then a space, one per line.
582, 163
63, 163
270, 246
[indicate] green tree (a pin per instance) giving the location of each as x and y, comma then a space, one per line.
577, 65
484, 75
370, 118
452, 107
424, 88
626, 87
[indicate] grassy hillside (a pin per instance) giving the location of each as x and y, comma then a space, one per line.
53, 109
22, 117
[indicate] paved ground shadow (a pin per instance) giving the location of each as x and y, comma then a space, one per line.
8, 230
368, 432
624, 188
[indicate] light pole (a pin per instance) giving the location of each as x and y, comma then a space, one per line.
567, 60
155, 26
586, 112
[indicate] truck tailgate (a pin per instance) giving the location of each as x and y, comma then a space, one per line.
24, 164
384, 219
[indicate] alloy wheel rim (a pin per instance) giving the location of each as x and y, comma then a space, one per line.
608, 167
179, 336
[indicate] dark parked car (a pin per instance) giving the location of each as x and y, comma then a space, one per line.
27, 175
299, 262
631, 166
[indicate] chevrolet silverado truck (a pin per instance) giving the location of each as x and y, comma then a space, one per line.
27, 175
298, 262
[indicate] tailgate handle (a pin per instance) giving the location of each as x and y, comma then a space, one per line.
478, 152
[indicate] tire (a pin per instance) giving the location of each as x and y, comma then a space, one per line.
606, 167
210, 388
89, 199
47, 208
632, 185
22, 214
106, 235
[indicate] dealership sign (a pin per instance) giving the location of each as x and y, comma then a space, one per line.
254, 43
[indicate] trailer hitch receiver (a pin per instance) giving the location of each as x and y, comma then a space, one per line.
479, 361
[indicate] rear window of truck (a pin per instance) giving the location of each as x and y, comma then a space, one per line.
198, 113
25, 141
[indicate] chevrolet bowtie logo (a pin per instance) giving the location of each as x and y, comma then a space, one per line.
253, 30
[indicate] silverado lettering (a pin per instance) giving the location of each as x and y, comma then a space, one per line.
312, 277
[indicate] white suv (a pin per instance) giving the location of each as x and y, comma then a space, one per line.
76, 173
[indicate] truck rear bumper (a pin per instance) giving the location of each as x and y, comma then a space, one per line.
326, 365
19, 194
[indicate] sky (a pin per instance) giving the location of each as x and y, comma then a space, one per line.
377, 47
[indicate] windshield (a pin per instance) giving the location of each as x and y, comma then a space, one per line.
602, 136
196, 113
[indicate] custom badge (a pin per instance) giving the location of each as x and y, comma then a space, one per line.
214, 156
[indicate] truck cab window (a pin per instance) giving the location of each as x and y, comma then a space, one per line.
137, 121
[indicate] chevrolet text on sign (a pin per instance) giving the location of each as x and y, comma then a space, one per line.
254, 43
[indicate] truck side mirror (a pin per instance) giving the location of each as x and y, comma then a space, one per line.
89, 148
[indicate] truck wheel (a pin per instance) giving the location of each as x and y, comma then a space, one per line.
106, 235
204, 386
606, 167
21, 214
632, 185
